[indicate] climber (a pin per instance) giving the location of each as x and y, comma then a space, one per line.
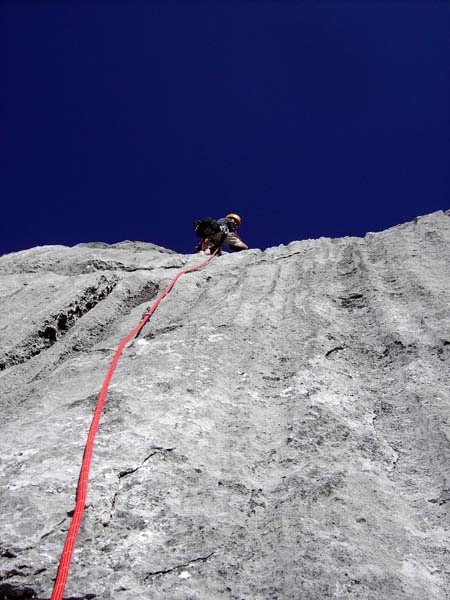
214, 234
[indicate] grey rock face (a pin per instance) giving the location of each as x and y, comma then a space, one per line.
280, 430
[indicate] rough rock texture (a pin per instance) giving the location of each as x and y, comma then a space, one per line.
279, 431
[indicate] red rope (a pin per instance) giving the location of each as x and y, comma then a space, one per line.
66, 556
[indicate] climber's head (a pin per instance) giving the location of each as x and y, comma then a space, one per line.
236, 218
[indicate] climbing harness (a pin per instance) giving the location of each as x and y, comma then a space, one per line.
81, 493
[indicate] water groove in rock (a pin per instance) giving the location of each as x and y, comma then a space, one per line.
57, 325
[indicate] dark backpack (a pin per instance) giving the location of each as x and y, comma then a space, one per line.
206, 227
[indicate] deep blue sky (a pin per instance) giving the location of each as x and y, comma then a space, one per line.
128, 120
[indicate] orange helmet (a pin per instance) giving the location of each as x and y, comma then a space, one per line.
236, 217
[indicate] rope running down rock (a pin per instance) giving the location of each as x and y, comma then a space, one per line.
81, 493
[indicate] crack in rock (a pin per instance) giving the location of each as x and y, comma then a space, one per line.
162, 330
289, 255
157, 450
130, 471
53, 530
333, 350
269, 260
178, 567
